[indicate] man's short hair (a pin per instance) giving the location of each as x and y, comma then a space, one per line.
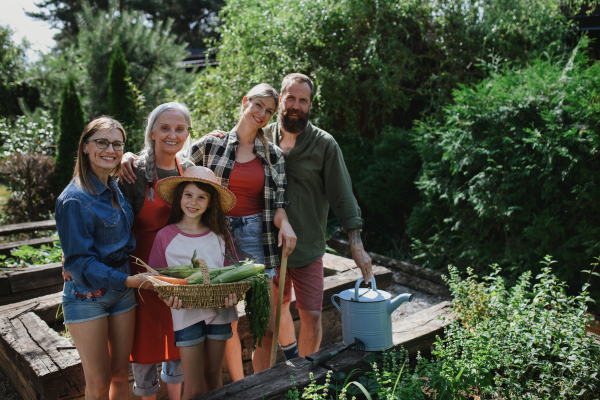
297, 77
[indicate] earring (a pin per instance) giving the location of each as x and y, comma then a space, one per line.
85, 152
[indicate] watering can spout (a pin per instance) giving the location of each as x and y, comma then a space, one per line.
395, 303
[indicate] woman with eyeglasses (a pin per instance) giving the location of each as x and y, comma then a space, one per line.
94, 223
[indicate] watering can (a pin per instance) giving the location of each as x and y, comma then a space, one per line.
367, 315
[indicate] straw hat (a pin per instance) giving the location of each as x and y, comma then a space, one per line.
166, 187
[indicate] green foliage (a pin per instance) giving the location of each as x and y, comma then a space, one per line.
28, 176
511, 173
27, 134
71, 124
27, 256
13, 82
151, 52
524, 343
121, 103
193, 20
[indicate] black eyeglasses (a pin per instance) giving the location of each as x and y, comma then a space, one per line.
102, 144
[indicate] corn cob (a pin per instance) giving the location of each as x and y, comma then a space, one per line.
197, 278
239, 273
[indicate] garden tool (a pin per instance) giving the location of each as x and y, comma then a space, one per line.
278, 310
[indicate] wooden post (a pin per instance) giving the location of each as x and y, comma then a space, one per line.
279, 303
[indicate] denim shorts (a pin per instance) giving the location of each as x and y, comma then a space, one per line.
81, 304
146, 376
246, 233
195, 334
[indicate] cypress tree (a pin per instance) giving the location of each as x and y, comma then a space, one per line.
121, 103
71, 123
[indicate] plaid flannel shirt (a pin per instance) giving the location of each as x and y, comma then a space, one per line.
218, 154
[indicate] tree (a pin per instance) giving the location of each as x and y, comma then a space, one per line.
151, 53
194, 19
13, 82
510, 174
121, 104
71, 124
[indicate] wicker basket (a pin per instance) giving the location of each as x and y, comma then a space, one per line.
207, 295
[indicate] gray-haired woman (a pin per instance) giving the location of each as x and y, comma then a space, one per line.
167, 131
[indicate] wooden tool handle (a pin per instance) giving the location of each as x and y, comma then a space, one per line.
279, 303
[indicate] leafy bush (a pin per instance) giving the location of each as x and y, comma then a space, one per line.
29, 176
27, 134
121, 104
27, 256
519, 343
71, 123
511, 173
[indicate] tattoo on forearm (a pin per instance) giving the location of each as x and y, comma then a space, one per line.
355, 236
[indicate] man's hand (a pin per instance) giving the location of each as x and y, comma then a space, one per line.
286, 233
128, 163
360, 256
219, 134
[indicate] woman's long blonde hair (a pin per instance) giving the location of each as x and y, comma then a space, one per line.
83, 168
261, 91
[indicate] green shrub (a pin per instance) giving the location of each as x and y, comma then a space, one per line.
121, 103
519, 343
27, 256
27, 134
511, 173
71, 124
29, 177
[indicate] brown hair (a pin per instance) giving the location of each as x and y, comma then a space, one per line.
83, 167
213, 217
297, 77
262, 90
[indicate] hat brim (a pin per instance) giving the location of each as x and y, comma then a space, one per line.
166, 190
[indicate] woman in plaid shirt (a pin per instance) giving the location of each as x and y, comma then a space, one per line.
253, 169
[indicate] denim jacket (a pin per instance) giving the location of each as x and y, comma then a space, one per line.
96, 238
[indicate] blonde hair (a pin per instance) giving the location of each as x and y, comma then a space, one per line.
147, 155
83, 166
262, 90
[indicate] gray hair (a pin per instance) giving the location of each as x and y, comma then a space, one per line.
147, 154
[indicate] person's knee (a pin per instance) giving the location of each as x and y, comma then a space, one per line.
98, 385
120, 373
311, 320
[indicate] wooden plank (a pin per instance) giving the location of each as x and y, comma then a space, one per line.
29, 294
418, 331
35, 277
13, 229
4, 284
5, 248
44, 307
40, 363
267, 384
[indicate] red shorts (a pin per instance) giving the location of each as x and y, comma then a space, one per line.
308, 286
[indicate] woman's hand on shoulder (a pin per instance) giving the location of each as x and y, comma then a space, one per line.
230, 301
128, 163
217, 133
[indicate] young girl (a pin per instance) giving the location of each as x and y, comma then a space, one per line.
197, 223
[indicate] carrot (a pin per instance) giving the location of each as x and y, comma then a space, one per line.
174, 281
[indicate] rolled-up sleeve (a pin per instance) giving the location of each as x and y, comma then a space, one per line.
77, 242
338, 189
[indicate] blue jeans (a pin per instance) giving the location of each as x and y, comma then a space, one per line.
195, 334
146, 376
247, 233
82, 304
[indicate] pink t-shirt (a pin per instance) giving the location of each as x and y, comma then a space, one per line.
175, 247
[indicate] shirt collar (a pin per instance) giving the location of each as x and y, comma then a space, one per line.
100, 187
299, 138
259, 147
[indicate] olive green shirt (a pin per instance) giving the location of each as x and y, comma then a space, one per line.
317, 178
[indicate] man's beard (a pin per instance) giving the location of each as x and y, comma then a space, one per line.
290, 125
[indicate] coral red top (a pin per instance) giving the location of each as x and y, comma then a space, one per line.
247, 182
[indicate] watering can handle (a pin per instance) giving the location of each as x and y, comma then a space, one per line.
334, 303
373, 286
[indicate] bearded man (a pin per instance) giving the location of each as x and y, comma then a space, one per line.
317, 178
